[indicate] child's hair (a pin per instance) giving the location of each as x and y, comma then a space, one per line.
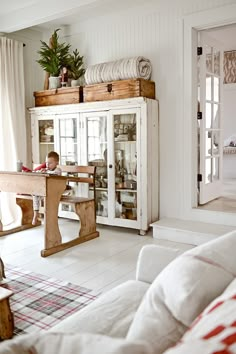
54, 155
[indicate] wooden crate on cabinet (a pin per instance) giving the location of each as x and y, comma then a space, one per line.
59, 96
119, 89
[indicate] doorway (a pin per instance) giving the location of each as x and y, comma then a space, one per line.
226, 202
193, 23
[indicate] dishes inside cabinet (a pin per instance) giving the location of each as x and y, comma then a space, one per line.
101, 165
130, 184
119, 160
46, 131
45, 139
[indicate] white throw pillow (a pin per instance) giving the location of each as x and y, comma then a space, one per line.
214, 330
154, 322
195, 278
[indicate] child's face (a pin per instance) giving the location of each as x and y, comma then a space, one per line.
51, 163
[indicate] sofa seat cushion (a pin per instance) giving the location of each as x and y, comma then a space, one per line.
214, 330
110, 314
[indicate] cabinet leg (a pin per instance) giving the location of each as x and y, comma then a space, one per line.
142, 232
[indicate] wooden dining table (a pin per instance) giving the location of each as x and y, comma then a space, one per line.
51, 187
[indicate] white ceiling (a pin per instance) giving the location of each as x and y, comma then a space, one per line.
19, 14
13, 5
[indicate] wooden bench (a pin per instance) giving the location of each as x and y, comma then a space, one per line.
85, 207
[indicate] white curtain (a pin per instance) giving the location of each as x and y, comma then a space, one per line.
12, 118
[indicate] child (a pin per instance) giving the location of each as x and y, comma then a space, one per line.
52, 161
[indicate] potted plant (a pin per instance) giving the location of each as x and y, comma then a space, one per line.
75, 67
53, 57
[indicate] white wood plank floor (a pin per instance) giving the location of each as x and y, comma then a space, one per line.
99, 264
227, 201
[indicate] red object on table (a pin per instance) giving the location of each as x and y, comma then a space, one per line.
26, 169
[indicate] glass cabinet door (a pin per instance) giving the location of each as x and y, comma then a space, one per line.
95, 154
46, 138
67, 145
125, 163
67, 140
110, 144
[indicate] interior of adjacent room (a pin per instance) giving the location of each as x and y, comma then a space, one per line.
226, 202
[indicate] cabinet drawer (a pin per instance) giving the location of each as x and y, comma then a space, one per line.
119, 89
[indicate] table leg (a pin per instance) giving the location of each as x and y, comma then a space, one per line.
52, 235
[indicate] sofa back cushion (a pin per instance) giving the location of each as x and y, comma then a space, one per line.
182, 290
195, 278
214, 330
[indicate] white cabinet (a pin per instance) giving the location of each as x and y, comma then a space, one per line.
120, 137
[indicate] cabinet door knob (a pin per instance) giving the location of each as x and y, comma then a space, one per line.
110, 166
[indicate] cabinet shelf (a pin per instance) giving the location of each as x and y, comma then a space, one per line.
45, 143
125, 141
126, 190
117, 189
129, 208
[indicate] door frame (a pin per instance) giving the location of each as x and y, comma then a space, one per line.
193, 23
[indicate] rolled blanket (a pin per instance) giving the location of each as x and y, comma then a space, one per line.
93, 73
123, 69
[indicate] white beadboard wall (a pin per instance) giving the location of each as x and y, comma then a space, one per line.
156, 32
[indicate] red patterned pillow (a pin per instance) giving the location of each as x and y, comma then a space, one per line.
214, 330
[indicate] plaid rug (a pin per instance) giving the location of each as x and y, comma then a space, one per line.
40, 302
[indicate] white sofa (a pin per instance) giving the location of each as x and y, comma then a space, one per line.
178, 304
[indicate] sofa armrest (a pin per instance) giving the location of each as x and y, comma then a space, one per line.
152, 259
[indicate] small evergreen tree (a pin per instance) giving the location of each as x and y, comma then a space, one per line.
53, 56
75, 65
